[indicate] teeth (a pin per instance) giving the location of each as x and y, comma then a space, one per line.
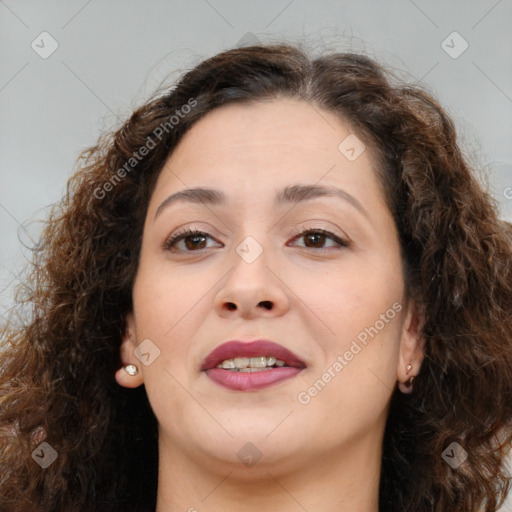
250, 364
258, 362
242, 362
250, 370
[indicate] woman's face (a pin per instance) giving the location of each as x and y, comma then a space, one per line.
336, 300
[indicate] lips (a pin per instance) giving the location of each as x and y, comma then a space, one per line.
235, 348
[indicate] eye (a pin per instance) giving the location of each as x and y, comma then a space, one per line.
193, 239
317, 238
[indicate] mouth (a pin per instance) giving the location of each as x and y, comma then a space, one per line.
244, 366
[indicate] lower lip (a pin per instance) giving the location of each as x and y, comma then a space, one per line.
246, 381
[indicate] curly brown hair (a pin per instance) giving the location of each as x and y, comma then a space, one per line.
57, 370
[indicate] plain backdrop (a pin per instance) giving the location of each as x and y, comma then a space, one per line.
72, 69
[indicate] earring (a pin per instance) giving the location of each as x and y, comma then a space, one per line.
131, 369
408, 369
409, 382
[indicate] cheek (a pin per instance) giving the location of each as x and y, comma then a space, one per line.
164, 310
357, 326
350, 296
163, 297
350, 389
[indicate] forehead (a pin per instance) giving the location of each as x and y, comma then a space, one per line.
289, 123
276, 139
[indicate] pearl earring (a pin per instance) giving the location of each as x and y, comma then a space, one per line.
131, 369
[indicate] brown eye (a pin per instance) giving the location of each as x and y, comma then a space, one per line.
192, 240
316, 238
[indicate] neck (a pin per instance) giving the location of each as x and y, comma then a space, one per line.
343, 480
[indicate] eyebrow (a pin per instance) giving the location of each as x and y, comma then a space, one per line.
292, 194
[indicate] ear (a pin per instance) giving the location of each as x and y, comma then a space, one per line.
412, 346
128, 345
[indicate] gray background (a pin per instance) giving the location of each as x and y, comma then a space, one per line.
112, 54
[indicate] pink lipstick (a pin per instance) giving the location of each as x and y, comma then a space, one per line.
245, 366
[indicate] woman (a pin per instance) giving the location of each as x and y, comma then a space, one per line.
279, 287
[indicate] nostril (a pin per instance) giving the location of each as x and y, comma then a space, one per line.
267, 304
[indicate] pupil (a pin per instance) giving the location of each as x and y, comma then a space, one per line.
316, 236
195, 238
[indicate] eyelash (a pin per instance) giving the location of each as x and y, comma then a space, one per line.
170, 242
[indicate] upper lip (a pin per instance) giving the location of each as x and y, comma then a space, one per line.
236, 348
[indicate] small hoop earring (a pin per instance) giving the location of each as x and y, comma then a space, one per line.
131, 369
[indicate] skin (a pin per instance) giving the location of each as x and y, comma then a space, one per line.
323, 455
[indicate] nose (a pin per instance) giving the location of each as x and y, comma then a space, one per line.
252, 289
